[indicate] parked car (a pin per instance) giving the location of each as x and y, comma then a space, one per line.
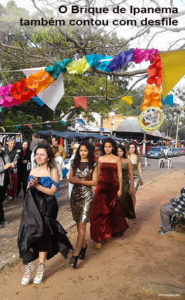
154, 152
179, 151
175, 152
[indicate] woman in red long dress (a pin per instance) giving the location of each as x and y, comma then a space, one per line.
107, 216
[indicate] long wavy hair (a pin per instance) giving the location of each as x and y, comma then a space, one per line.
112, 142
136, 151
122, 149
51, 159
90, 156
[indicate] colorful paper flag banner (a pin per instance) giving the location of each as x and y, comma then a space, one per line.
127, 99
168, 100
80, 102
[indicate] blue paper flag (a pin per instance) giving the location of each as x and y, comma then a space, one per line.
80, 121
38, 101
168, 100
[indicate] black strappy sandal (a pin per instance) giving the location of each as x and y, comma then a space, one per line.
73, 262
82, 252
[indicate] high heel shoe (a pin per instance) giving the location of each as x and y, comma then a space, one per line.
40, 273
28, 270
82, 252
73, 262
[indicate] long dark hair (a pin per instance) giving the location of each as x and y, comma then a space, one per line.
114, 145
123, 149
90, 156
51, 159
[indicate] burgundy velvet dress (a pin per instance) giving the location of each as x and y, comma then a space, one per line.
107, 216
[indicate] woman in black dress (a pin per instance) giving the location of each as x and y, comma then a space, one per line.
40, 235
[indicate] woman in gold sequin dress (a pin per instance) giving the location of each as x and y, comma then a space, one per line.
135, 158
127, 184
83, 174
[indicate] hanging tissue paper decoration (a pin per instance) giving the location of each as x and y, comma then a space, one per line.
47, 83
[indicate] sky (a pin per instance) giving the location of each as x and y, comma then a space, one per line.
161, 41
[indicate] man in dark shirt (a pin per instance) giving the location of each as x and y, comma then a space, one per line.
13, 155
4, 181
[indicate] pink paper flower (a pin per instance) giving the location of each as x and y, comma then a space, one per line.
6, 99
140, 55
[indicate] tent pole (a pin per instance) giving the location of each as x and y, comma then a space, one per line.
144, 144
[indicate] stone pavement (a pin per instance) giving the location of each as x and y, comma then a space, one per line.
8, 234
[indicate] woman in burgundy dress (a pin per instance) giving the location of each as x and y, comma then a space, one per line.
107, 216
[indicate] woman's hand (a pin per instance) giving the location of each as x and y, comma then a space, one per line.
33, 181
131, 191
7, 166
141, 181
25, 161
119, 193
71, 180
74, 179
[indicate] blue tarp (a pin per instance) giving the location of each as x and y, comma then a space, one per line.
72, 135
66, 134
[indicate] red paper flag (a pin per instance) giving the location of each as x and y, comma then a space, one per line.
80, 101
30, 126
61, 142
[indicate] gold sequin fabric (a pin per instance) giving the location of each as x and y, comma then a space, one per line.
135, 173
82, 195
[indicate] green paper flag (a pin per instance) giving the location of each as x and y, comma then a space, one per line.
62, 122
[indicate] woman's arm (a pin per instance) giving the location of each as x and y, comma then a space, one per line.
4, 167
52, 190
119, 176
71, 173
131, 177
98, 167
140, 172
88, 182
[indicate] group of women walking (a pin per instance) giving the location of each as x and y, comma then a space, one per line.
116, 177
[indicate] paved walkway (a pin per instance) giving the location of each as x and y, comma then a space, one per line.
8, 234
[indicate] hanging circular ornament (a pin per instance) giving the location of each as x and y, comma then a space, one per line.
151, 118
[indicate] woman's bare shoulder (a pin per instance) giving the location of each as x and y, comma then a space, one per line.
35, 171
101, 159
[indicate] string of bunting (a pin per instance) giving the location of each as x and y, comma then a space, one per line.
18, 126
47, 83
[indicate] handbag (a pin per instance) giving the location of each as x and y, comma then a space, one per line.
28, 167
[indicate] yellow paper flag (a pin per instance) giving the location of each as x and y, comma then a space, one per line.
173, 69
127, 99
78, 66
2, 129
